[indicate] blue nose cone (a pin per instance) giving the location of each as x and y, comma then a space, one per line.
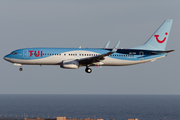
5, 57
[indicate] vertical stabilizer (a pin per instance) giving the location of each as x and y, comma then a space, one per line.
159, 39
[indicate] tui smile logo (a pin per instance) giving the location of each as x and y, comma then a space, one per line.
160, 41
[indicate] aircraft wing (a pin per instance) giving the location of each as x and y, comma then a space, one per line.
98, 58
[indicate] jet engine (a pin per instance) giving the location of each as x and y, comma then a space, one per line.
70, 64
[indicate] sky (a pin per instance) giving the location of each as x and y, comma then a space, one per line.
90, 24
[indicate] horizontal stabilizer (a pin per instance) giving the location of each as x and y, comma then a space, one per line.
161, 52
168, 51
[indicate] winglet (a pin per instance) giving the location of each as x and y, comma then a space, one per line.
115, 47
107, 45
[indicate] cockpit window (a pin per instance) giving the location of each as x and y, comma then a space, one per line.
14, 53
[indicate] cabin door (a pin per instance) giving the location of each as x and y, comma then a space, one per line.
25, 53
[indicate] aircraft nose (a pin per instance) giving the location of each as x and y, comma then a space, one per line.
5, 57
8, 58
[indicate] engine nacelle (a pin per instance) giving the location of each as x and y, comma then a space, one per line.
70, 64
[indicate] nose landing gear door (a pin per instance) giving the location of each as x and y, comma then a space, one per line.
25, 53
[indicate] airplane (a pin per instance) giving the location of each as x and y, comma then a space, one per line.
73, 58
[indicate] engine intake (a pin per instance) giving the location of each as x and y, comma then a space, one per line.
70, 64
